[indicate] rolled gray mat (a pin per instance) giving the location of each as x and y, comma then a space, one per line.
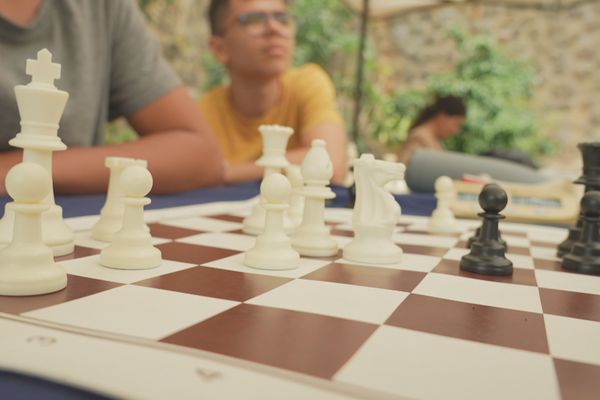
425, 166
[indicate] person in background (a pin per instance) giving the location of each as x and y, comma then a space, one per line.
436, 123
111, 67
255, 40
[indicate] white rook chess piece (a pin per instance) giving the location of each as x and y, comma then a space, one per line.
273, 249
442, 219
312, 237
131, 247
111, 216
27, 265
41, 105
375, 213
275, 139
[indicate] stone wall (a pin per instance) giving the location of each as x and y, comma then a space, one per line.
560, 38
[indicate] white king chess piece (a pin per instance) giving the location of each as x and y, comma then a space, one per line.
375, 213
111, 215
41, 105
312, 237
28, 266
442, 219
275, 139
131, 247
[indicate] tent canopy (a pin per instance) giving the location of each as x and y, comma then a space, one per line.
382, 8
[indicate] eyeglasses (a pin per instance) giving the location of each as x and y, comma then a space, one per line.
256, 23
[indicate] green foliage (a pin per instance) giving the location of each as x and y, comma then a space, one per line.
497, 91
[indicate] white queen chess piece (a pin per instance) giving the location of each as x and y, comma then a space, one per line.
131, 247
41, 105
375, 213
273, 249
275, 139
27, 265
442, 219
312, 237
111, 215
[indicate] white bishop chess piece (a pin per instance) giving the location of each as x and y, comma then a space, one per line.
132, 247
312, 237
41, 105
111, 215
375, 213
275, 139
27, 265
442, 219
273, 249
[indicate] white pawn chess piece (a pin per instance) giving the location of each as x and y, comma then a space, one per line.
273, 249
375, 213
27, 265
273, 160
442, 219
398, 186
41, 105
294, 175
111, 215
313, 238
131, 247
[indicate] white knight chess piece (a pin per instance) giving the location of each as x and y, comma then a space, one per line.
375, 213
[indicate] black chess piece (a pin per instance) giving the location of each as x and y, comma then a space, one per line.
487, 251
584, 256
590, 153
476, 235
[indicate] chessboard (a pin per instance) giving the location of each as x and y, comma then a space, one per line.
202, 325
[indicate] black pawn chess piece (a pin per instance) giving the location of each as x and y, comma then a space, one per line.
476, 235
487, 251
590, 154
584, 256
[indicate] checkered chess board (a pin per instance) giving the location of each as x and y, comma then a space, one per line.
202, 325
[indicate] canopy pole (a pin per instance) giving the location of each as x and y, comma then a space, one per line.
358, 90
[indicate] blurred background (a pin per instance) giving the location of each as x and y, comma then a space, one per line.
528, 69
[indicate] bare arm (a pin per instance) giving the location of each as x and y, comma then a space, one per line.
337, 144
174, 137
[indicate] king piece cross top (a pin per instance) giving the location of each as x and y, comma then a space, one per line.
43, 70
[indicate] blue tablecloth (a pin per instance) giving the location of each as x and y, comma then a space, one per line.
17, 387
75, 206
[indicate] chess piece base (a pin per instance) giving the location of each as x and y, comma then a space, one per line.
486, 265
370, 251
272, 254
25, 273
583, 260
130, 257
314, 245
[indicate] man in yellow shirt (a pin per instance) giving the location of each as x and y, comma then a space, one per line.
255, 41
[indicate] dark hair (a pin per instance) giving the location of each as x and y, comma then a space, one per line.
217, 10
216, 13
449, 105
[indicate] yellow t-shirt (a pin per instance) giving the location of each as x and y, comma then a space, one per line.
308, 99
